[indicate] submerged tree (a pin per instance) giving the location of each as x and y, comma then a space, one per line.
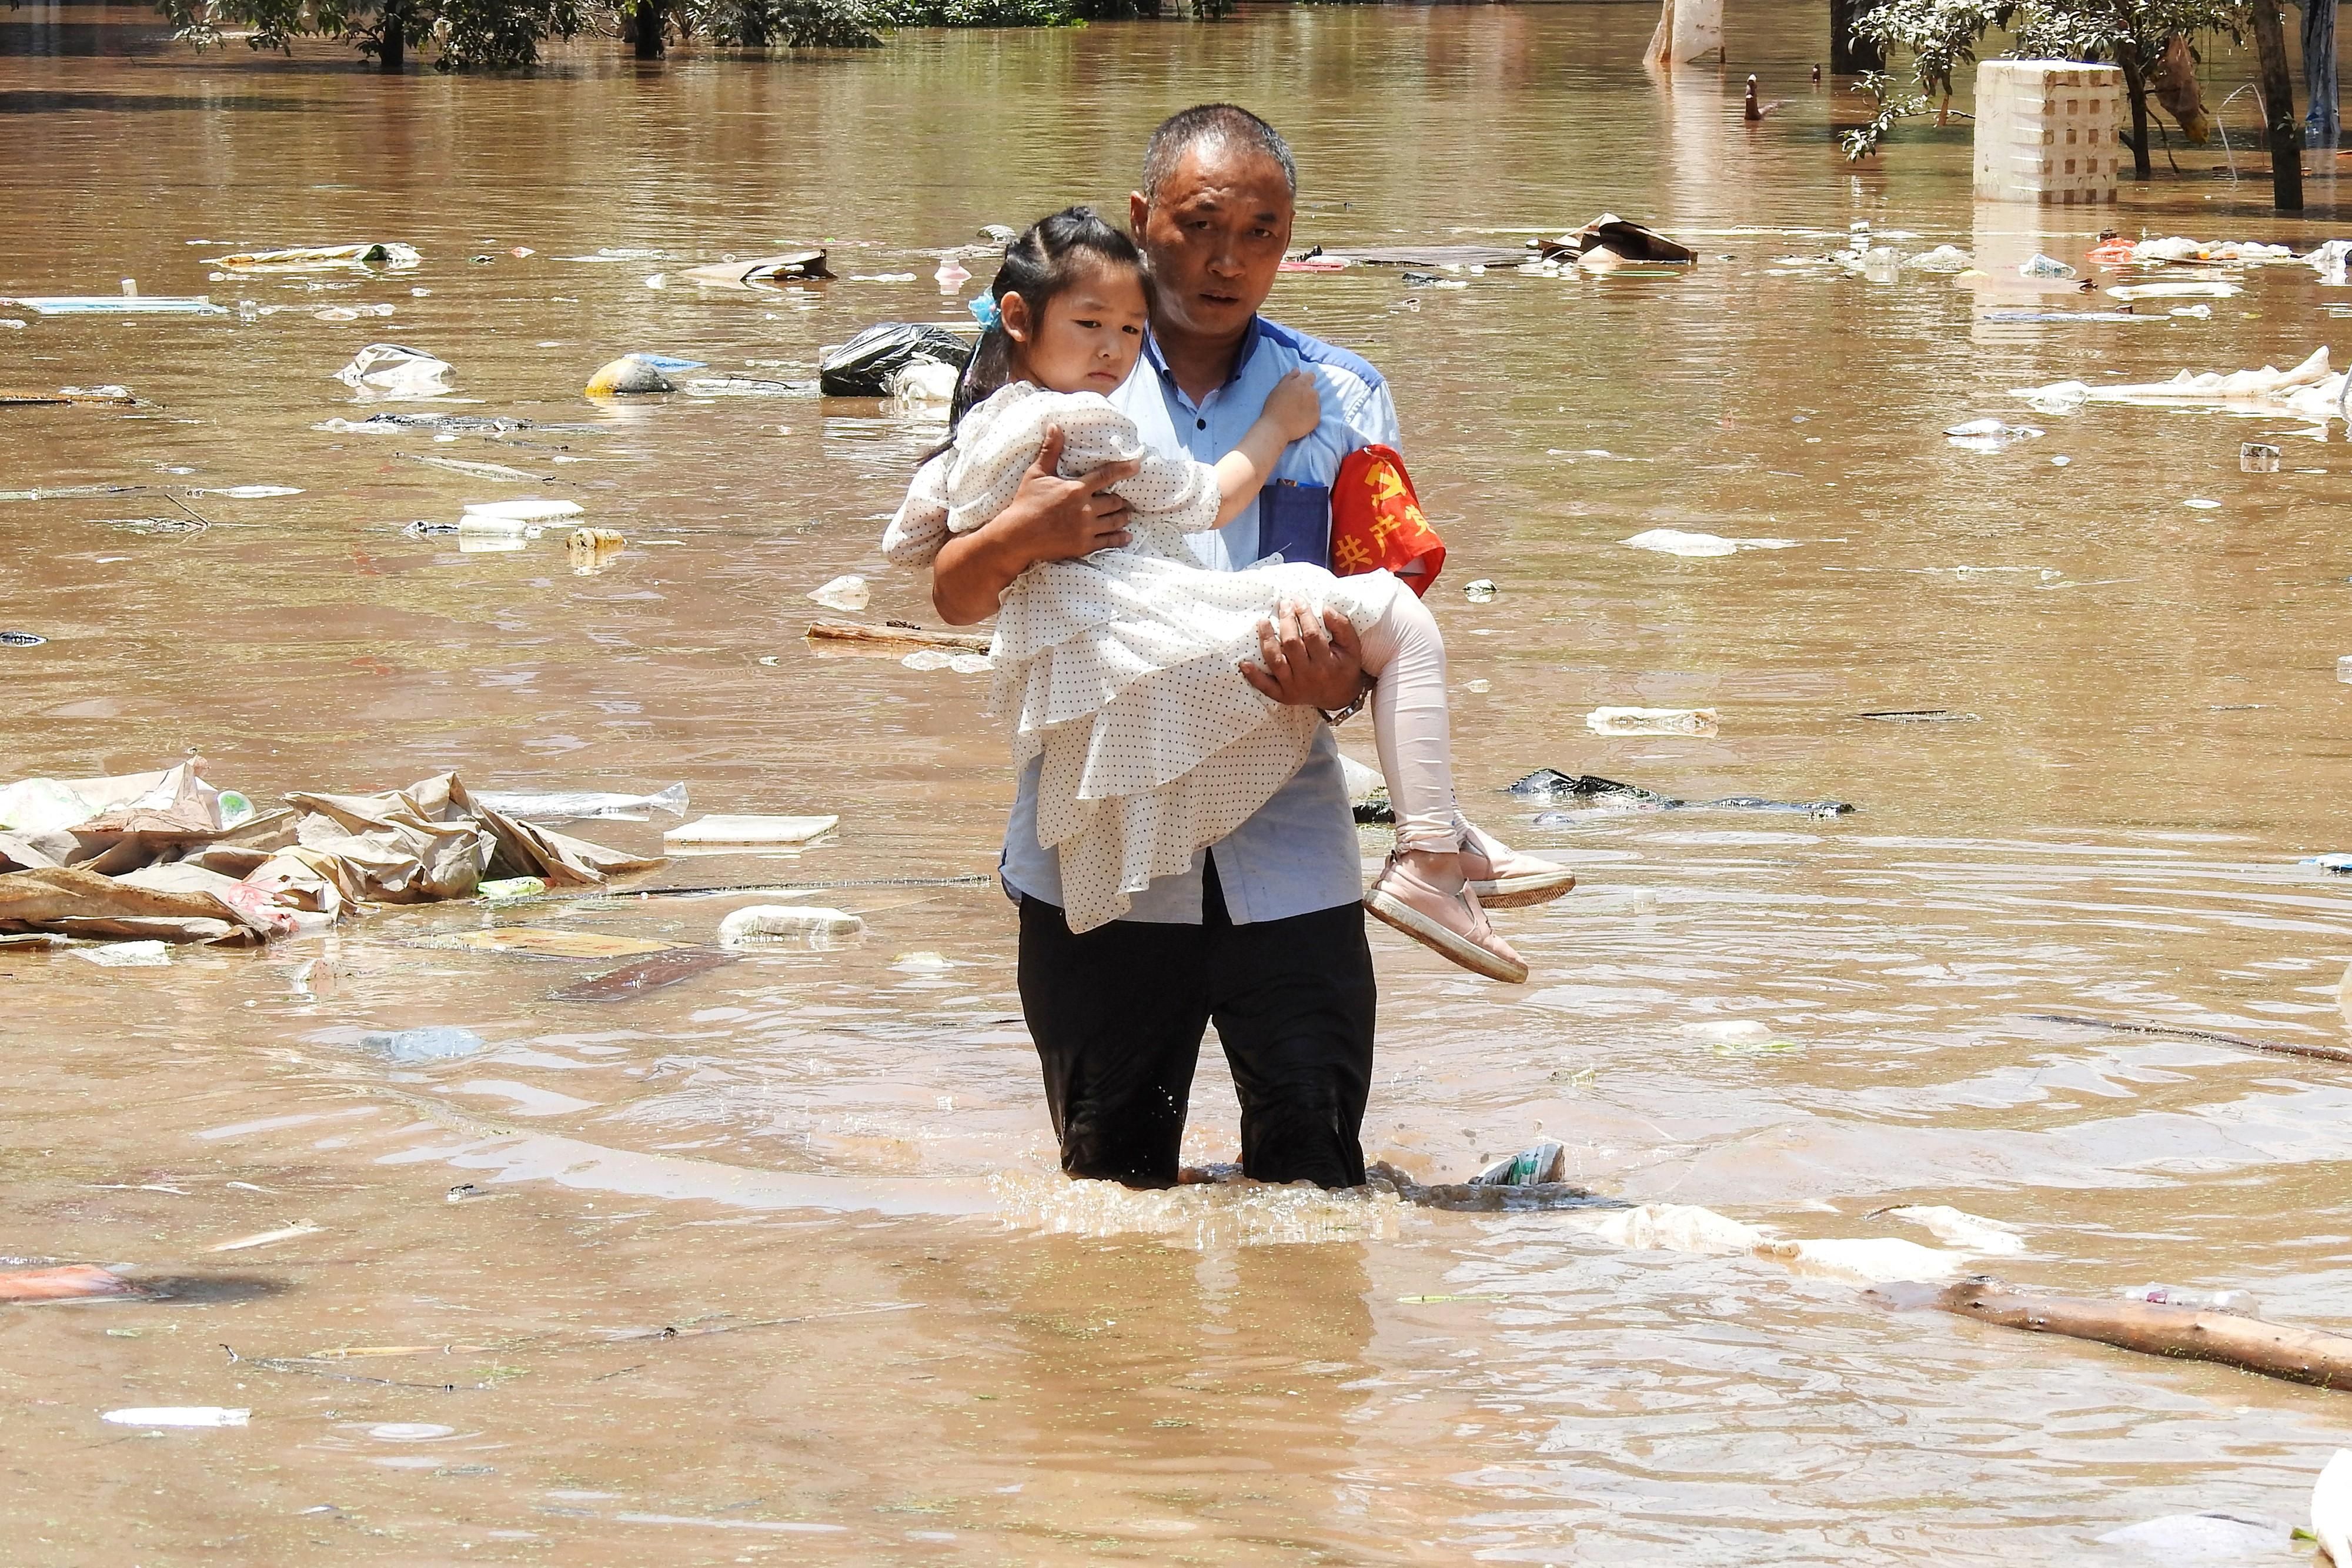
466, 34
2148, 38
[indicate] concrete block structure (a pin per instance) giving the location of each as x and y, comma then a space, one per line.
2047, 131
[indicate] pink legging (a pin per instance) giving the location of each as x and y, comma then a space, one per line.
1406, 654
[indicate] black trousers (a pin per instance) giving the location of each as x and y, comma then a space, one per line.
1118, 1014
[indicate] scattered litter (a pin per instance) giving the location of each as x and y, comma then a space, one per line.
116, 305
631, 980
1607, 797
1943, 258
66, 1282
923, 383
921, 964
709, 832
127, 956
2176, 291
863, 366
1608, 241
1670, 1228
2192, 252
1870, 1260
779, 922
474, 470
850, 636
1920, 716
65, 396
440, 1042
927, 659
1651, 721
1675, 541
1989, 435
2258, 458
528, 510
393, 255
592, 549
21, 640
251, 492
2045, 266
2192, 312
2060, 315
2310, 390
440, 423
2198, 502
510, 888
1480, 591
1537, 1163
952, 275
2238, 1303
799, 265
2180, 1539
267, 1238
537, 943
581, 805
2331, 1509
177, 1416
1966, 1231
388, 371
846, 593
632, 373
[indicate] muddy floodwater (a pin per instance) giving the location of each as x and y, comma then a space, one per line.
774, 1264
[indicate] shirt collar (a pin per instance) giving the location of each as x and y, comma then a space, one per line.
1242, 356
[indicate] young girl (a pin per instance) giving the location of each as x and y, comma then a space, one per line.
1123, 667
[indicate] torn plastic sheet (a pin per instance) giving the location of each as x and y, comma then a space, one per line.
2310, 390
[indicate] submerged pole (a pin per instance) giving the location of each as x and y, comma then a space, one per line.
2278, 107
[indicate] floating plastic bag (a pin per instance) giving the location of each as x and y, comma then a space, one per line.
863, 366
390, 373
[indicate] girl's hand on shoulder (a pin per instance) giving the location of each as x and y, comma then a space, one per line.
1296, 405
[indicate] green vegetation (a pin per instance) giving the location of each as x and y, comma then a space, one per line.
506, 34
1940, 36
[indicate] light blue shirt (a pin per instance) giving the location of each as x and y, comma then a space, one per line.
1298, 853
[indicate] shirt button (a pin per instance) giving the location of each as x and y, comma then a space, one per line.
1199, 425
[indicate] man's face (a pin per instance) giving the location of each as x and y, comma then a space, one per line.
1213, 234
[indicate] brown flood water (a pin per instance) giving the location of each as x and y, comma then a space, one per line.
985, 1364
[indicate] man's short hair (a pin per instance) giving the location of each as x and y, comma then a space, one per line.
1213, 124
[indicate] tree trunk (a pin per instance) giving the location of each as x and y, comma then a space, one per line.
2278, 107
2320, 127
649, 29
2136, 88
1850, 55
755, 26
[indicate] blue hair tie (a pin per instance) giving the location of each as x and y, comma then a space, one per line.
983, 311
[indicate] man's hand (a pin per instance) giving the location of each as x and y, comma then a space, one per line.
1308, 661
1048, 519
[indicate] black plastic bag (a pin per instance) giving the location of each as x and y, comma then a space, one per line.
863, 366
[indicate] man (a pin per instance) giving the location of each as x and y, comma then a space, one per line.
1264, 935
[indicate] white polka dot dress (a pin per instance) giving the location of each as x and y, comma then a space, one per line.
1121, 668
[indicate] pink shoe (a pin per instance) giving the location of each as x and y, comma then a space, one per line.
1505, 879
1450, 923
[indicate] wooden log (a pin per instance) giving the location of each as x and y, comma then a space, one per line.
2299, 1356
855, 632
